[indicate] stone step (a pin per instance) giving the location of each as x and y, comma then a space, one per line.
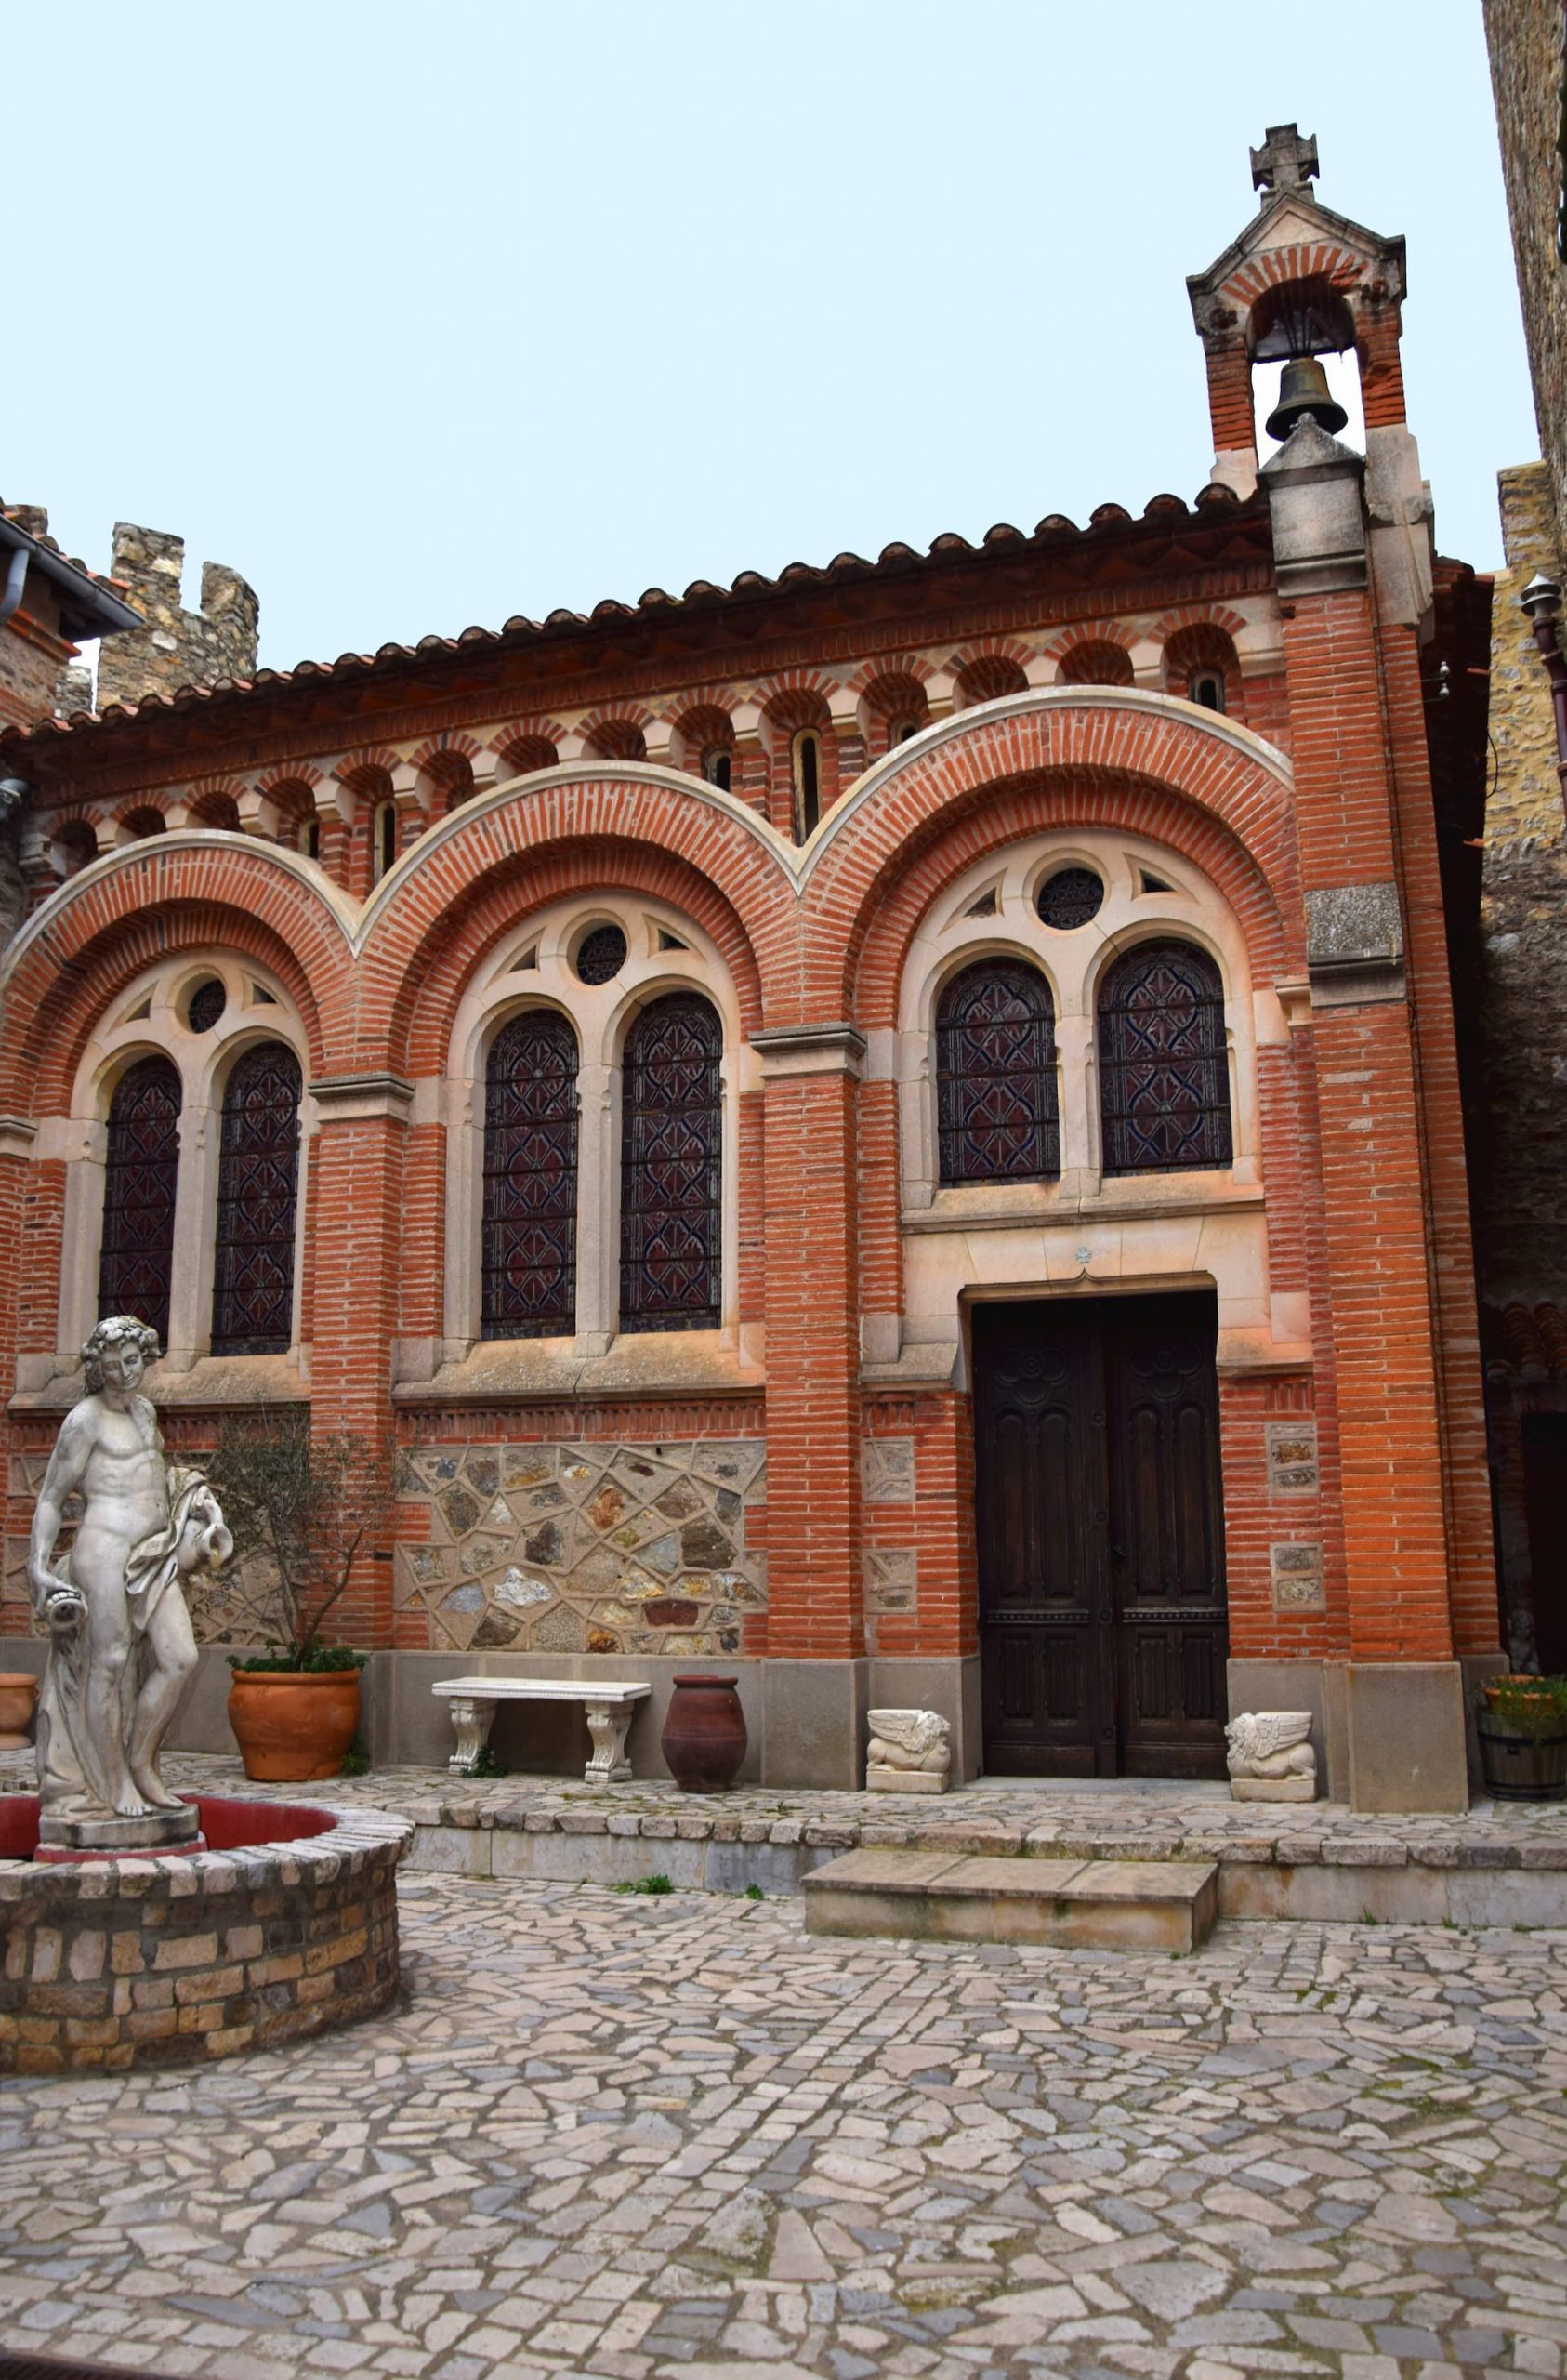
1062, 1904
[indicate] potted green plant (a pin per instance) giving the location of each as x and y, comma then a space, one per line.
1521, 1723
302, 1506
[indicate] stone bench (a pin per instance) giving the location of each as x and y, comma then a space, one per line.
610, 1706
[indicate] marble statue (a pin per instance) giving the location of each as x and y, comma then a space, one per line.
1270, 1757
121, 1643
910, 1752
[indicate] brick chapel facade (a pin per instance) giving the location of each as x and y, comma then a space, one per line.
895, 1130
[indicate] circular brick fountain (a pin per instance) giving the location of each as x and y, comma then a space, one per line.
286, 1924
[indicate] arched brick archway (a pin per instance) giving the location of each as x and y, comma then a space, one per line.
135, 906
434, 915
1095, 735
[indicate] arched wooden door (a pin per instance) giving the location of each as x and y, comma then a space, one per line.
1100, 1525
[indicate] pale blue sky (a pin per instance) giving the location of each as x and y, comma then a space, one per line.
421, 316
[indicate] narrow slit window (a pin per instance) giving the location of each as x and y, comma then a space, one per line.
719, 769
530, 1234
1164, 1072
135, 1265
808, 786
670, 1171
995, 1075
385, 838
258, 1189
1207, 686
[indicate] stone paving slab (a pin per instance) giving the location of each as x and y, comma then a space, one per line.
1167, 1905
678, 2139
1133, 1818
1501, 1863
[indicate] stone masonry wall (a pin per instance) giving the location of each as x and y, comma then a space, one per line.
1521, 1213
1525, 41
584, 1548
176, 648
165, 1962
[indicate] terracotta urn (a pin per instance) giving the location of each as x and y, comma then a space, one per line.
19, 1693
294, 1724
705, 1734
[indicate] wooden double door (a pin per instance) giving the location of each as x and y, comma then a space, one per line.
1101, 1537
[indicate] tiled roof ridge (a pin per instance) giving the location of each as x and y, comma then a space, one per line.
1055, 528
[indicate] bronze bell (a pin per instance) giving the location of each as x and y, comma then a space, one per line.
1303, 389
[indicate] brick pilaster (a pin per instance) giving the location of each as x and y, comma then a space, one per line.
815, 1594
358, 1167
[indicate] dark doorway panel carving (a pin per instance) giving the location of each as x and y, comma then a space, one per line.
995, 1075
530, 1259
258, 1185
670, 1177
1101, 1530
136, 1266
1163, 1075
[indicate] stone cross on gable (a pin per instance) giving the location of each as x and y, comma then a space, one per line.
1285, 161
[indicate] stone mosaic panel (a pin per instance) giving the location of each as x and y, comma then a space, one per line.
578, 1547
1298, 1583
887, 1471
1292, 1457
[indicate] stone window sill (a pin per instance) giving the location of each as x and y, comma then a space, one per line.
675, 1363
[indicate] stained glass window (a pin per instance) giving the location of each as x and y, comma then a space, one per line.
1070, 898
600, 955
207, 1003
995, 1075
530, 1238
1163, 1079
137, 1263
257, 1183
670, 1230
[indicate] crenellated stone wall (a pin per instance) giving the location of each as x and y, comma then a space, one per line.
177, 647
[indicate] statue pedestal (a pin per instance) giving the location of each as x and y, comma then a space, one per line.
880, 1779
61, 1839
1273, 1789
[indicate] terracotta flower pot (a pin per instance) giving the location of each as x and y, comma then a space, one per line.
293, 1724
19, 1692
705, 1734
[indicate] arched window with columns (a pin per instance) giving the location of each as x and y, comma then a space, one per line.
258, 1187
1164, 1069
136, 1262
995, 1075
530, 1220
670, 1169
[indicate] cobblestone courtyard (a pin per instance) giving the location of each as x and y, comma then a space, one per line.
643, 2137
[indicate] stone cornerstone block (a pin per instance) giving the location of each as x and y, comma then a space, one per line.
1405, 1728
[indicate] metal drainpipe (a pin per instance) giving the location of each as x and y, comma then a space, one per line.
1542, 600
16, 579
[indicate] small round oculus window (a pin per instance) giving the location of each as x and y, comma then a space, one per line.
1070, 898
600, 955
206, 1005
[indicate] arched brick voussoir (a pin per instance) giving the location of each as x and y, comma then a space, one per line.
1013, 810
497, 907
629, 805
42, 1056
1211, 763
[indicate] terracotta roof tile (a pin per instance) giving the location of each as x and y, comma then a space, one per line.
1162, 511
